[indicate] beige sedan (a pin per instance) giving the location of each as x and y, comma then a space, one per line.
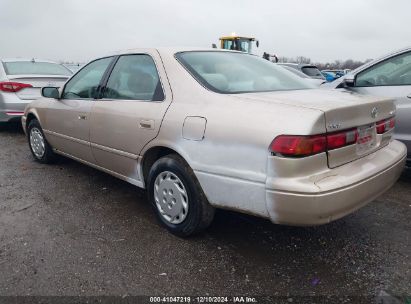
206, 129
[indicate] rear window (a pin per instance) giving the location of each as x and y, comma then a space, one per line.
36, 68
231, 72
312, 71
294, 71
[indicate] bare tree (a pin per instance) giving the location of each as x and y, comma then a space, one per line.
336, 65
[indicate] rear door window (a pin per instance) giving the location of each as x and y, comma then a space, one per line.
312, 71
134, 77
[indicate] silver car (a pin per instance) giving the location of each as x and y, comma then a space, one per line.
21, 81
317, 82
206, 129
308, 69
388, 76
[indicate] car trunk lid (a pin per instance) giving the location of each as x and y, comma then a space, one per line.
342, 111
37, 82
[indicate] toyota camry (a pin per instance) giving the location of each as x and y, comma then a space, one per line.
206, 129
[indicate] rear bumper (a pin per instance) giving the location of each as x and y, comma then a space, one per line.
12, 107
6, 116
335, 198
406, 140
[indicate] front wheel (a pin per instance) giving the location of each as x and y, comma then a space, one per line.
39, 147
177, 198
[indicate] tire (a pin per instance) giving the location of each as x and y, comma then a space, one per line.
172, 173
36, 139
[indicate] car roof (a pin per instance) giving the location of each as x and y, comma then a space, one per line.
171, 50
300, 65
382, 58
288, 63
26, 59
295, 71
336, 83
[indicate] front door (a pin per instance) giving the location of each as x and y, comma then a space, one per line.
68, 119
129, 114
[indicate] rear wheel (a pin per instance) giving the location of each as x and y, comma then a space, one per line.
39, 147
177, 198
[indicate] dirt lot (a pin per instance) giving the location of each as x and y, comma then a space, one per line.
67, 229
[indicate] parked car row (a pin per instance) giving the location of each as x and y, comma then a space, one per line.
206, 129
310, 70
315, 81
331, 75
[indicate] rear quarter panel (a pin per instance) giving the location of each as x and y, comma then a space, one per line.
230, 162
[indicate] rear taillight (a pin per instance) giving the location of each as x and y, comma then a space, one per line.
385, 125
9, 86
292, 145
342, 139
298, 146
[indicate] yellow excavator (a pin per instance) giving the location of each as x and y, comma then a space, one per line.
237, 43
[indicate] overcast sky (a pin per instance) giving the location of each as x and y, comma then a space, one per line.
323, 30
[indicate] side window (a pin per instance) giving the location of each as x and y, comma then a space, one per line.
134, 77
391, 72
228, 45
85, 83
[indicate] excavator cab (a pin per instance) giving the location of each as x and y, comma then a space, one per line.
238, 43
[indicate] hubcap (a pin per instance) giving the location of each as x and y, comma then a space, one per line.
37, 142
171, 197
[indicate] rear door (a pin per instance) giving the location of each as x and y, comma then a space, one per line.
68, 119
391, 78
129, 114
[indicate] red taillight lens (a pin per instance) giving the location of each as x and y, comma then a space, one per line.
292, 145
381, 127
298, 146
385, 125
9, 86
341, 139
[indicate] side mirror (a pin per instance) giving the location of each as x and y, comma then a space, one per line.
50, 92
349, 80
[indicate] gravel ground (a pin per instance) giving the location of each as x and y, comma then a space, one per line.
67, 229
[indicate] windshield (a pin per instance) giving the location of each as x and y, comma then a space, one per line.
37, 68
243, 45
230, 72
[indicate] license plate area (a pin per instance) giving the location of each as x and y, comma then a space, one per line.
367, 139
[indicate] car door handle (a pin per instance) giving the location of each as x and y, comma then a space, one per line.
409, 96
147, 124
82, 117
